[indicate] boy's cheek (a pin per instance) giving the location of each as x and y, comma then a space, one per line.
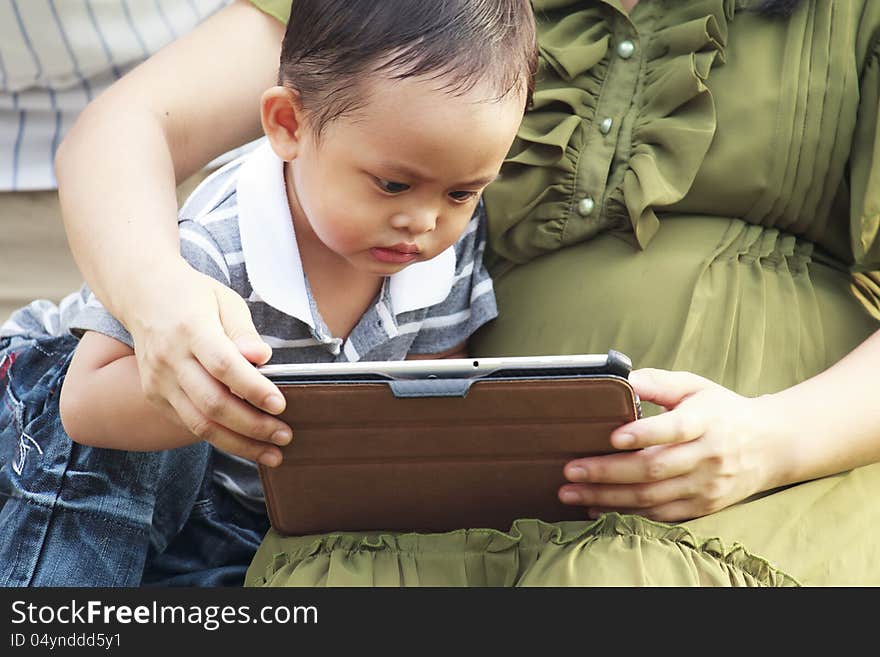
452, 231
345, 237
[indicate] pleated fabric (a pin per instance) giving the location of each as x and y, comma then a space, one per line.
623, 550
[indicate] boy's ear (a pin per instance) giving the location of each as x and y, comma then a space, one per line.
282, 116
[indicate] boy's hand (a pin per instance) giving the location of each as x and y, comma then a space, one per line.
196, 344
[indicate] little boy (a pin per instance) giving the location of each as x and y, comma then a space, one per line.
355, 232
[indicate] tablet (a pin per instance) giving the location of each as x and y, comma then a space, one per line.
437, 445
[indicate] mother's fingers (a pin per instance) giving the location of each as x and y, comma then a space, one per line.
629, 496
219, 436
220, 357
646, 465
217, 405
666, 388
235, 316
679, 425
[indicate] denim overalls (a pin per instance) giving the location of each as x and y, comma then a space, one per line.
72, 515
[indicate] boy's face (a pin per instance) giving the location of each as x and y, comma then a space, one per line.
397, 181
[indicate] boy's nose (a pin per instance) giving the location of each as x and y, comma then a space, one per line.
417, 221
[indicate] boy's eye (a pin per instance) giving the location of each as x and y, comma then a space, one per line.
462, 195
391, 187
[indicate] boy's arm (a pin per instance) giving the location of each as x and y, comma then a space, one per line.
103, 405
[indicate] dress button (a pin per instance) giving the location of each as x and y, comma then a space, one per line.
585, 206
625, 49
605, 125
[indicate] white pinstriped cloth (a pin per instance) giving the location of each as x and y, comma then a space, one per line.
57, 55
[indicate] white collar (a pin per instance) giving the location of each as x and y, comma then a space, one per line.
271, 254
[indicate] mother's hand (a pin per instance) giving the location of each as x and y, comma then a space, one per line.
705, 453
195, 343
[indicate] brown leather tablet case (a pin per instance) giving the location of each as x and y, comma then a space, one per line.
363, 458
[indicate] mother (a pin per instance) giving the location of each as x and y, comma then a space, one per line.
696, 186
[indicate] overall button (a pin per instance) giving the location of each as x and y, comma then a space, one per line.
625, 49
605, 125
585, 206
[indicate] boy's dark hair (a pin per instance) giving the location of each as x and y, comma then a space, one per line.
331, 46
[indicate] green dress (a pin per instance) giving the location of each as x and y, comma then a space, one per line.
697, 186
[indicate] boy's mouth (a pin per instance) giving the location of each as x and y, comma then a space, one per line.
397, 254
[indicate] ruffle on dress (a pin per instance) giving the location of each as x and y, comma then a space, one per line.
674, 123
615, 550
543, 159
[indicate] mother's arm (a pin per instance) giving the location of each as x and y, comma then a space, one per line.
117, 173
714, 448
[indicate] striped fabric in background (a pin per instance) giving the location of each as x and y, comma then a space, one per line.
57, 55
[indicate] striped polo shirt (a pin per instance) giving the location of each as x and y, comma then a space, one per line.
57, 55
236, 227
